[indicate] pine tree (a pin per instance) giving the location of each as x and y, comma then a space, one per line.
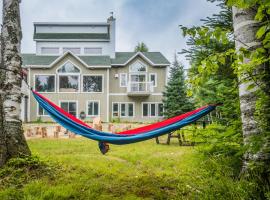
141, 47
175, 99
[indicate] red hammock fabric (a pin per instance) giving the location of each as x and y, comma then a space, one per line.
135, 131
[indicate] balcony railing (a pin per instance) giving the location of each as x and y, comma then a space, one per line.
140, 88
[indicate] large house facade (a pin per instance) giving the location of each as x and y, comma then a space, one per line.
76, 67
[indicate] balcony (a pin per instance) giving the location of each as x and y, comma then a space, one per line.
140, 88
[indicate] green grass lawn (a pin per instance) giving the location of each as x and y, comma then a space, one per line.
75, 169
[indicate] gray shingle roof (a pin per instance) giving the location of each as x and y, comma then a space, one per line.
33, 59
120, 59
155, 57
70, 36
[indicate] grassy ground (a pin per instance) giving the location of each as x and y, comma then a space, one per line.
75, 169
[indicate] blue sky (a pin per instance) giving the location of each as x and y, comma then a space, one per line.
154, 22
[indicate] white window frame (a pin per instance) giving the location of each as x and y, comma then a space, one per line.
38, 115
149, 109
102, 75
92, 101
72, 101
50, 53
117, 110
68, 74
92, 48
55, 86
155, 74
120, 79
80, 51
126, 112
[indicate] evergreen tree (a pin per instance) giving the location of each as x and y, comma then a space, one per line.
175, 100
141, 47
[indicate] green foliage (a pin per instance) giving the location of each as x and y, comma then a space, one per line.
175, 99
141, 47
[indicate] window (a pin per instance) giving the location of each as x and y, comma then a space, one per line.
75, 50
92, 50
93, 108
152, 109
123, 80
92, 83
115, 110
70, 107
69, 78
153, 79
45, 83
137, 67
49, 50
126, 109
41, 111
68, 67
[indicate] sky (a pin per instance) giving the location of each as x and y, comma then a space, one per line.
154, 22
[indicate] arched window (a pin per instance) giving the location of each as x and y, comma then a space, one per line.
68, 67
69, 78
138, 67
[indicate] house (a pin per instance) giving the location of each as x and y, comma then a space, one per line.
76, 67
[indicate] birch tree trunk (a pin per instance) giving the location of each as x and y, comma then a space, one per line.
11, 32
245, 29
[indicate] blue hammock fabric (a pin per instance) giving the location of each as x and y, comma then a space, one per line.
106, 137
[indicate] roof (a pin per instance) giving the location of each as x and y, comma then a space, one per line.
121, 59
71, 24
38, 60
70, 36
156, 58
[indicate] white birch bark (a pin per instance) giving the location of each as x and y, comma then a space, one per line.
11, 35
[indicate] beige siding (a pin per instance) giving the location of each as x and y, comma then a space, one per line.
115, 94
115, 82
80, 97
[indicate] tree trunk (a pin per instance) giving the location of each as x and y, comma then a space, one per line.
245, 29
11, 32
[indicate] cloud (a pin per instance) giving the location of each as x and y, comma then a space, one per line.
156, 22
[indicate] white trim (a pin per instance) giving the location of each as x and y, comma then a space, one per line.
102, 75
87, 102
50, 54
155, 74
92, 54
108, 91
121, 79
68, 74
149, 109
38, 115
117, 110
125, 94
61, 57
29, 96
126, 111
34, 86
77, 105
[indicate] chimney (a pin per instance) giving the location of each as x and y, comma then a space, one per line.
111, 22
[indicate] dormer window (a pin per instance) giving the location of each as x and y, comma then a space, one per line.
69, 78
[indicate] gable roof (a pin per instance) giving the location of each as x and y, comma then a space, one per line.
154, 58
121, 59
36, 61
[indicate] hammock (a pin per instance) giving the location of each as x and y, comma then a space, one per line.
125, 137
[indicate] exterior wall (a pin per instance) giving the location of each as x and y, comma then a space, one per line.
80, 97
138, 107
115, 82
107, 48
